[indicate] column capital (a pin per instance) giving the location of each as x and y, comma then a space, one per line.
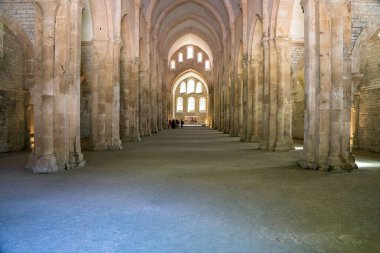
48, 7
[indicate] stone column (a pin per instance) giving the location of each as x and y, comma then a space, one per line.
115, 139
327, 86
232, 97
100, 68
283, 95
45, 160
75, 153
93, 78
310, 148
257, 101
246, 106
238, 104
130, 97
264, 145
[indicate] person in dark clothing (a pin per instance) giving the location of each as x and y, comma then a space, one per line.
182, 123
173, 124
176, 123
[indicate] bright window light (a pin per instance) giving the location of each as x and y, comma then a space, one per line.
190, 52
199, 87
172, 64
207, 65
191, 104
191, 86
179, 104
199, 57
182, 88
202, 104
180, 57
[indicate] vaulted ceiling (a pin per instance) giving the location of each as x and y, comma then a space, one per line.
208, 22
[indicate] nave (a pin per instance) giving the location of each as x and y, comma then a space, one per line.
189, 190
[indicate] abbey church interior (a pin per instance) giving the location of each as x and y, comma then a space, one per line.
189, 126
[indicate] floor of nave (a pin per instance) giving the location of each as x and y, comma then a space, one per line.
189, 190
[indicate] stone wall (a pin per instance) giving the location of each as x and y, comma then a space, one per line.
22, 11
369, 104
13, 96
364, 12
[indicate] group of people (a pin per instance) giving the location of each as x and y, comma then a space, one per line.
175, 123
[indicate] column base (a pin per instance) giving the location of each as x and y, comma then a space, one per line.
334, 168
44, 164
308, 165
135, 137
76, 160
339, 164
281, 147
116, 145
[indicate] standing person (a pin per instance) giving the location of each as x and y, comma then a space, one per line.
173, 124
169, 123
182, 123
176, 123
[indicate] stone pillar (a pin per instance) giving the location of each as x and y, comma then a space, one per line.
246, 106
130, 96
310, 147
93, 78
100, 68
75, 153
283, 138
264, 145
238, 80
327, 86
257, 101
231, 104
44, 161
115, 139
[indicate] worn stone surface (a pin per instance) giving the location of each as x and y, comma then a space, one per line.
369, 103
13, 95
189, 183
100, 75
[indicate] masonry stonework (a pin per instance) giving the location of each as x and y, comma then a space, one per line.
369, 105
22, 11
13, 95
364, 12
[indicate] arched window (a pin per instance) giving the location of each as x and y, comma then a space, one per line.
182, 88
190, 52
202, 104
172, 64
191, 104
199, 57
207, 65
179, 104
199, 87
180, 57
190, 86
